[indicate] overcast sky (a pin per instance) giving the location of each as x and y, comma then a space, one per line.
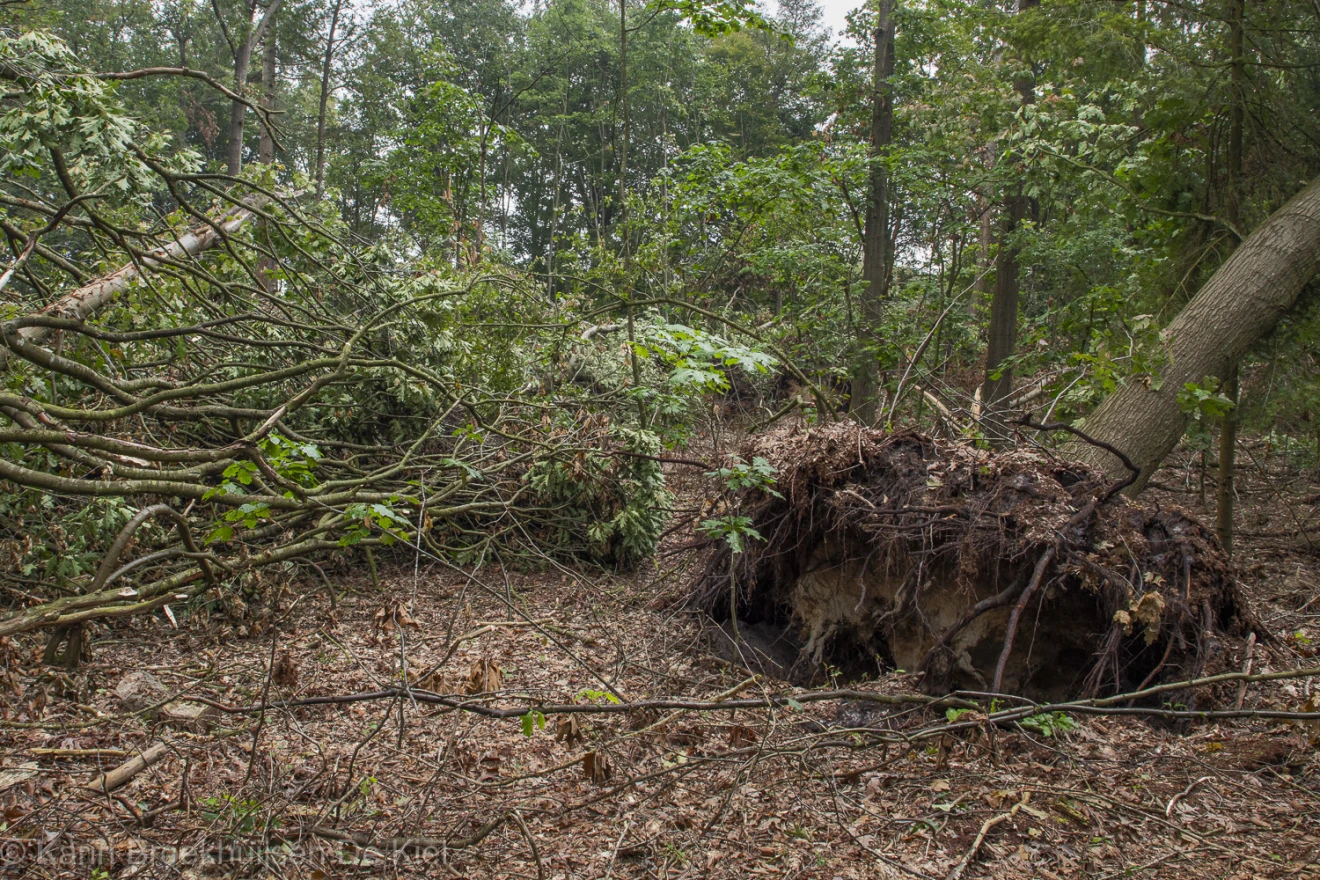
835, 12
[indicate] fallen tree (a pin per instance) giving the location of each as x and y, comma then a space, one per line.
1237, 308
84, 302
1006, 572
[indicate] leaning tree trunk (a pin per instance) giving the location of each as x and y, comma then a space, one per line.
1238, 307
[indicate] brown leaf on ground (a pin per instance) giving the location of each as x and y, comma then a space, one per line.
740, 736
485, 677
568, 731
596, 768
490, 767
285, 673
394, 616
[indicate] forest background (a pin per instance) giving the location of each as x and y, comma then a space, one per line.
493, 244
383, 381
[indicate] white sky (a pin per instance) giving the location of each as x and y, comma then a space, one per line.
834, 12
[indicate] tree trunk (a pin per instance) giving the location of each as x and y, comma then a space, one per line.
326, 65
1233, 210
627, 125
266, 146
1236, 308
985, 240
242, 62
1001, 338
875, 236
1227, 466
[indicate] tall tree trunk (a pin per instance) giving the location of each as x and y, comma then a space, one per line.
627, 124
985, 240
1233, 211
623, 208
1001, 340
242, 63
875, 235
1001, 337
327, 63
1238, 306
266, 146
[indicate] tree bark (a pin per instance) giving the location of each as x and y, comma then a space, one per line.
1238, 306
1233, 210
266, 146
242, 62
875, 236
326, 64
1001, 337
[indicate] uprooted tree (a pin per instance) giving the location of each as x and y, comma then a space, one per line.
1003, 572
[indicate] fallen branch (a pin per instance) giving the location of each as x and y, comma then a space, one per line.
1016, 615
81, 753
1173, 801
957, 872
89, 299
1246, 667
409, 844
108, 782
1092, 706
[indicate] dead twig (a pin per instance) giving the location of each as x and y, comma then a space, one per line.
1246, 669
406, 844
531, 842
957, 872
1133, 470
81, 753
1173, 801
108, 782
1016, 616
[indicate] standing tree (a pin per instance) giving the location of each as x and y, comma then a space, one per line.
323, 99
1233, 213
875, 236
242, 42
1001, 339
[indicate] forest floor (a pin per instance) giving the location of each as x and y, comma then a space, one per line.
799, 791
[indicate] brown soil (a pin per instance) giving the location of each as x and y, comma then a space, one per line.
830, 790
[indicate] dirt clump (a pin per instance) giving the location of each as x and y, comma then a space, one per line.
1008, 571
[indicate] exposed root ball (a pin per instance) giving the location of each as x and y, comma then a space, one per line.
973, 566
